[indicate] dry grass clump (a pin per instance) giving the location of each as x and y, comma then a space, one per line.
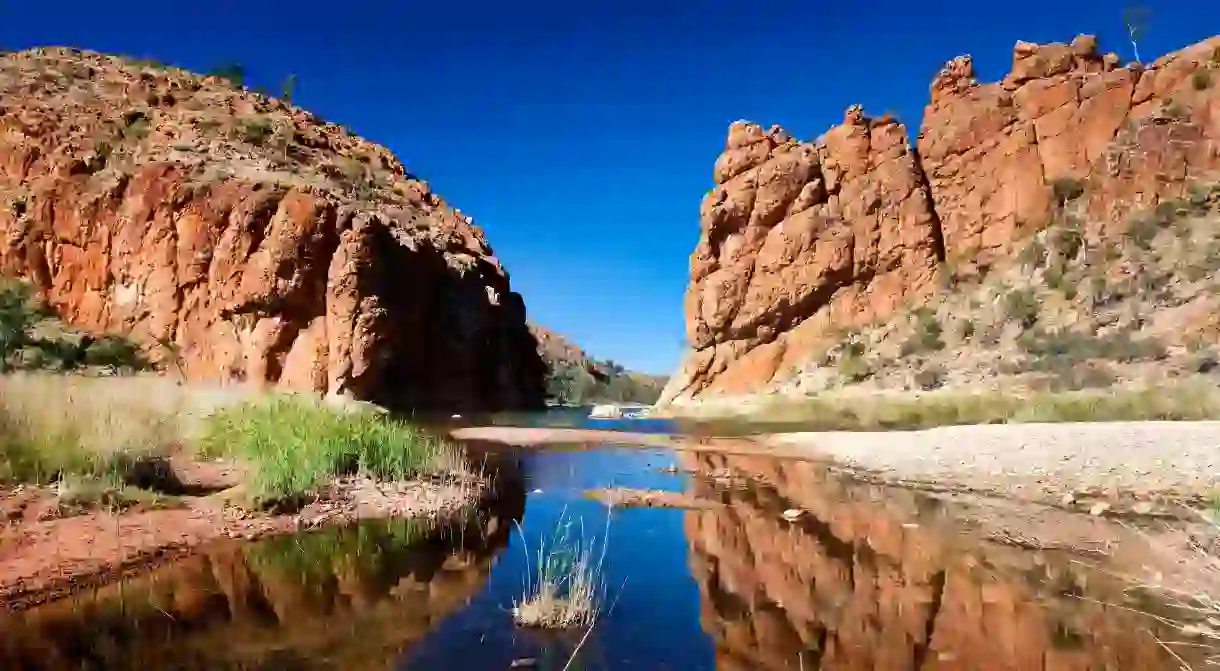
98, 438
1191, 593
861, 412
567, 591
52, 425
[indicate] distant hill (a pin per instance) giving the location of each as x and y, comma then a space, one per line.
576, 378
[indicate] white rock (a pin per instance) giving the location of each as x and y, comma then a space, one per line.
608, 411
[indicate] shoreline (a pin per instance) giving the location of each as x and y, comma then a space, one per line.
43, 560
1141, 468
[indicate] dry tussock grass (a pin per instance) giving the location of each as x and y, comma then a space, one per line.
567, 591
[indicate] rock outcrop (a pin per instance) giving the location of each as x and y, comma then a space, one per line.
237, 237
798, 238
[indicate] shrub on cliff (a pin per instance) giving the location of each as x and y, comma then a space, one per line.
32, 338
1075, 309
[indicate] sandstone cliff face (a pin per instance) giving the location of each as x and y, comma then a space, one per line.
857, 584
801, 237
238, 237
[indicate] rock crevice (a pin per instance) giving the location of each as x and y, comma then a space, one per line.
799, 238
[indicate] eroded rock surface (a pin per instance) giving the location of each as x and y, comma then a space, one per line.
238, 237
798, 238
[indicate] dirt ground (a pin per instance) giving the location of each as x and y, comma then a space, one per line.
47, 551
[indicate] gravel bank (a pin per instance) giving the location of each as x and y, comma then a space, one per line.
1143, 459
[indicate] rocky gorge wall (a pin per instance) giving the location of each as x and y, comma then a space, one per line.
799, 238
237, 237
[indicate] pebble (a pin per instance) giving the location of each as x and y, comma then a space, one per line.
1142, 508
792, 514
1099, 508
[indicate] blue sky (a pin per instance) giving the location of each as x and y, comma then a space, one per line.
581, 136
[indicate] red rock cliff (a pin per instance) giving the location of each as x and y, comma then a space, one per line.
797, 237
239, 237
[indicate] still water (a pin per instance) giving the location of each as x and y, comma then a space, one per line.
869, 578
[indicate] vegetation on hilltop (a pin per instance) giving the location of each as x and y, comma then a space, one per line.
130, 112
574, 378
596, 381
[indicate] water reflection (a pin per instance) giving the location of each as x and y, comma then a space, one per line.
351, 598
869, 578
857, 584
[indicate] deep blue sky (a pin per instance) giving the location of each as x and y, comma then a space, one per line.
581, 136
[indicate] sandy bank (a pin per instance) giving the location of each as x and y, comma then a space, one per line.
1179, 460
1119, 462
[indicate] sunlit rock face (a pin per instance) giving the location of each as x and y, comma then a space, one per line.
236, 237
848, 586
799, 239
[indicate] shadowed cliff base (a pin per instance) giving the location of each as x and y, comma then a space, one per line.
804, 243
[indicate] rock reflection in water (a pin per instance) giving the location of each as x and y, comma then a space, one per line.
850, 587
352, 598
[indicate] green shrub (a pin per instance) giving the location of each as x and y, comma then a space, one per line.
115, 352
234, 73
136, 125
1067, 240
255, 130
16, 317
1201, 80
930, 378
926, 335
965, 329
1021, 306
1074, 346
855, 369
1066, 189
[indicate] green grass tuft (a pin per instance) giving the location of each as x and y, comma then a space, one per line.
295, 447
